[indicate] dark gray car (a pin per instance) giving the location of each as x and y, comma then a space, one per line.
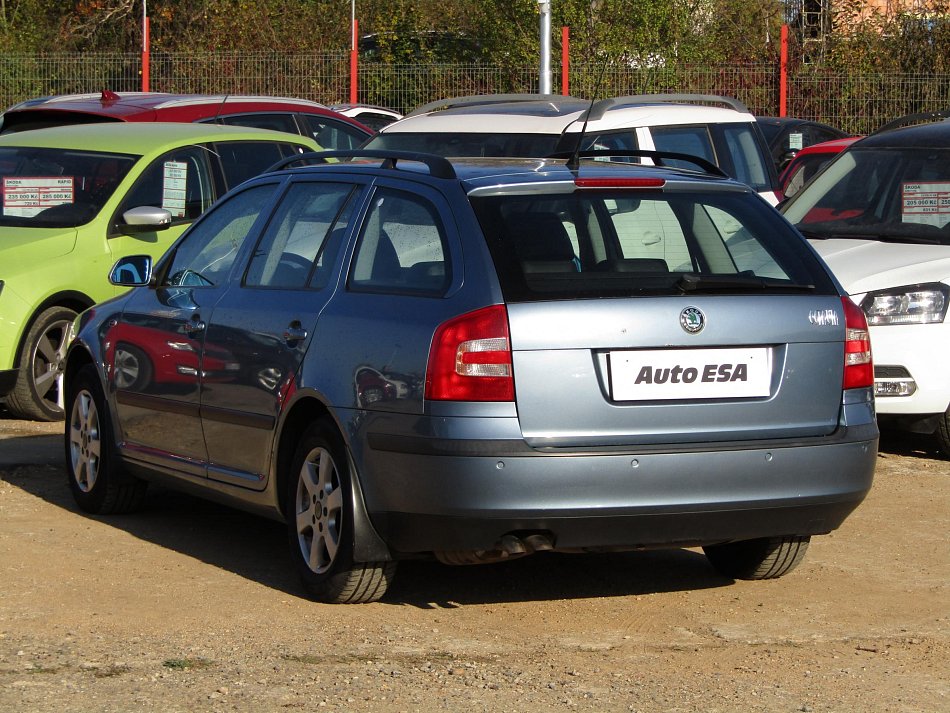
480, 359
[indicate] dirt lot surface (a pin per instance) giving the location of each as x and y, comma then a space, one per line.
188, 606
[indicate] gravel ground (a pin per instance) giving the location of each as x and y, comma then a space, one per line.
188, 606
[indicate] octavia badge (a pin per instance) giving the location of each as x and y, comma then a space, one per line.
692, 320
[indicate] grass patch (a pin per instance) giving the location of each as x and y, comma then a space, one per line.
186, 664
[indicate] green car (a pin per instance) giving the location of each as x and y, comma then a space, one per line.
77, 198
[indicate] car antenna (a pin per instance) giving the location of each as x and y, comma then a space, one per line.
574, 162
220, 108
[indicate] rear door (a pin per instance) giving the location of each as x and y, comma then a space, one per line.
664, 318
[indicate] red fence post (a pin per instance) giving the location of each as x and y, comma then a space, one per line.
354, 66
565, 59
145, 54
783, 75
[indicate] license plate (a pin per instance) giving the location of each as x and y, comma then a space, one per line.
681, 374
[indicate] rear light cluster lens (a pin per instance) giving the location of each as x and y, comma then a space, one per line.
858, 368
470, 358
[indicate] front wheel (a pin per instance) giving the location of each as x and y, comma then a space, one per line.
38, 392
319, 516
943, 434
763, 558
96, 479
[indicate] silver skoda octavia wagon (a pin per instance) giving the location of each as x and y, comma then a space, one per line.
401, 355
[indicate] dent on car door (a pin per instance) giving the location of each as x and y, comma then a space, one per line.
156, 352
264, 322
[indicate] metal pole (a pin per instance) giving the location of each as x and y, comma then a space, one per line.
354, 53
146, 60
544, 80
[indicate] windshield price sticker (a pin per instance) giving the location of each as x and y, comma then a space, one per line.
174, 182
927, 203
25, 197
667, 374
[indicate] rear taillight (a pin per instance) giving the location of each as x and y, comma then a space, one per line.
470, 358
858, 369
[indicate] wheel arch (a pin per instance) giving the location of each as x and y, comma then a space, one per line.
368, 546
76, 301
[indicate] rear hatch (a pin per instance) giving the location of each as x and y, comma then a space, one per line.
662, 311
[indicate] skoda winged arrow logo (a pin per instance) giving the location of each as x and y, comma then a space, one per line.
692, 320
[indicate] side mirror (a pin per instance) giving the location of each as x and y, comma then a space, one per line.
132, 271
145, 219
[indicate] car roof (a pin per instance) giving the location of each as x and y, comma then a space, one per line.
162, 106
138, 138
488, 172
554, 114
933, 135
130, 103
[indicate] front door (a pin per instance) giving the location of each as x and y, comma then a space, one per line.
263, 325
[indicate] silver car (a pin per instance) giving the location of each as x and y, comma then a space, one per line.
401, 356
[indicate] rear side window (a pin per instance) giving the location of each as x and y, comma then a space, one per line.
241, 160
749, 160
618, 244
402, 247
468, 144
333, 135
275, 122
692, 140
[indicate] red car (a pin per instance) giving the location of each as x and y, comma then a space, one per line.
330, 129
809, 161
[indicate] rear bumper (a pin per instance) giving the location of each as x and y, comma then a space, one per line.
422, 502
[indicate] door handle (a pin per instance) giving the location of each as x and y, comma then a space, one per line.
294, 333
194, 326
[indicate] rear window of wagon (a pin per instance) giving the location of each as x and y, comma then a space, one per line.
620, 243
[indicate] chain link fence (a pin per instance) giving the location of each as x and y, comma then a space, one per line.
856, 103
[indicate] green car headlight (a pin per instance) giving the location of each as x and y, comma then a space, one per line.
913, 304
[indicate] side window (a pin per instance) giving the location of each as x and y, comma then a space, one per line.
241, 160
333, 135
751, 166
692, 140
402, 247
205, 255
179, 182
274, 122
305, 233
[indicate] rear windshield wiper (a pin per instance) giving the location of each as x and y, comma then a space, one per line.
695, 282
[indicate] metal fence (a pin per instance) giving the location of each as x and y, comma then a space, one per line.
856, 103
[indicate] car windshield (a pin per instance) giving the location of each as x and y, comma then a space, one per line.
57, 188
614, 244
893, 195
467, 144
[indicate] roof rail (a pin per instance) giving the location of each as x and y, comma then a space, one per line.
598, 110
488, 99
911, 119
659, 158
439, 167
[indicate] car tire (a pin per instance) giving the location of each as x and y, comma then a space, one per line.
943, 433
39, 383
763, 558
132, 368
96, 479
319, 515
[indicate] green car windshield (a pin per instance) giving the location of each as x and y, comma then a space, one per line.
57, 188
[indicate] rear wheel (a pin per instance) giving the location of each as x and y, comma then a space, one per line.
38, 393
320, 524
763, 558
96, 479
